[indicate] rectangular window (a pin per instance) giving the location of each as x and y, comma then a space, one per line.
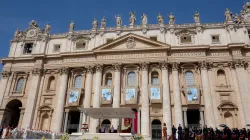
215, 39
109, 40
28, 48
80, 45
153, 38
186, 39
57, 48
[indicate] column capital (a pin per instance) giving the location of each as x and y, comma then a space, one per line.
144, 65
184, 109
117, 66
89, 69
5, 74
240, 63
98, 67
64, 70
37, 71
164, 65
201, 109
203, 65
175, 66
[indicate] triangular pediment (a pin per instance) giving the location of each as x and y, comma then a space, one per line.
132, 42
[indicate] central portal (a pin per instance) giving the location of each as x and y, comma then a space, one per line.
73, 122
156, 130
193, 118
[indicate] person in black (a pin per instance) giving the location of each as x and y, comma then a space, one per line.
229, 134
173, 132
179, 132
205, 132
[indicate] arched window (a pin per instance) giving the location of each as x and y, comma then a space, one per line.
108, 79
131, 79
189, 78
78, 81
221, 77
20, 84
51, 83
154, 78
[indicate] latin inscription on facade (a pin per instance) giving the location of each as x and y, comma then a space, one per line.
184, 54
121, 56
219, 54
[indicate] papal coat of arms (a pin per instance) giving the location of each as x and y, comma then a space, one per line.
131, 42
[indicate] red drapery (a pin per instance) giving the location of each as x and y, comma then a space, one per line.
135, 122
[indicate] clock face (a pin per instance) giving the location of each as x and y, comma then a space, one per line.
247, 17
31, 33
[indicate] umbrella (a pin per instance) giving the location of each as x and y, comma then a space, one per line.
223, 125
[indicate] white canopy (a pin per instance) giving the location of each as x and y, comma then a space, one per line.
108, 112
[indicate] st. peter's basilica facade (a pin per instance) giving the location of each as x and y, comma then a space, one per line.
190, 74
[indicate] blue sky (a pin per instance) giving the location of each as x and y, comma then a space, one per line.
18, 13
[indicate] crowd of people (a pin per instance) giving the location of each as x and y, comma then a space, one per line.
15, 133
206, 133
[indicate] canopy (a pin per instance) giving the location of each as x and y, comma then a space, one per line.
108, 112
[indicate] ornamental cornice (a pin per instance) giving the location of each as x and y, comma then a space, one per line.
64, 70
37, 71
99, 67
144, 65
5, 74
164, 65
117, 67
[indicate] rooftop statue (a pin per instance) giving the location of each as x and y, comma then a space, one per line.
228, 15
197, 17
71, 26
103, 22
118, 21
160, 19
47, 28
95, 24
171, 19
144, 19
18, 33
132, 18
33, 24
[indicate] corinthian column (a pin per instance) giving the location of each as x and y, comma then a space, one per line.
177, 95
243, 87
59, 111
145, 101
117, 91
97, 92
166, 104
3, 84
238, 96
88, 91
32, 97
209, 112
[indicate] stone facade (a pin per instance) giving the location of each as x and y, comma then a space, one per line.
194, 67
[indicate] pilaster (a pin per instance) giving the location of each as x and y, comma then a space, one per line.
32, 98
209, 113
177, 95
57, 126
145, 101
166, 104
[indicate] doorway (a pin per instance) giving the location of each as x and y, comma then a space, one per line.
156, 130
12, 113
73, 121
193, 118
